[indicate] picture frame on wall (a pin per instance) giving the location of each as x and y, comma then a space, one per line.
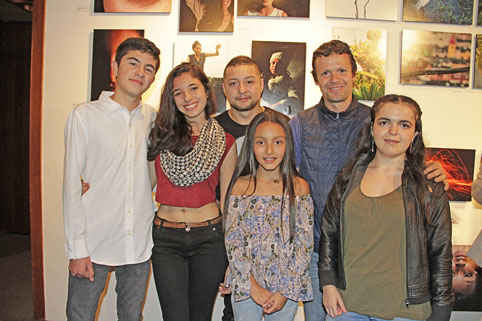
129, 6
282, 65
206, 16
435, 58
274, 8
478, 62
362, 9
369, 47
105, 44
479, 13
439, 11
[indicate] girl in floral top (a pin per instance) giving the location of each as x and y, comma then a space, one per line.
268, 226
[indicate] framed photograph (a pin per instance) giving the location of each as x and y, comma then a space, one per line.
435, 58
274, 8
369, 47
458, 164
467, 280
133, 6
362, 9
206, 16
103, 53
458, 12
479, 13
283, 67
478, 62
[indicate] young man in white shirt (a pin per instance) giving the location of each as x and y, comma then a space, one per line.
110, 225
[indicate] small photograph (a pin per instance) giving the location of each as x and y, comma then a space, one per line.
369, 47
479, 15
458, 164
478, 62
458, 12
362, 9
210, 54
435, 58
283, 67
274, 8
206, 16
467, 280
103, 53
133, 6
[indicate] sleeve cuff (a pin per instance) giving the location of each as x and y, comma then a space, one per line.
77, 249
440, 313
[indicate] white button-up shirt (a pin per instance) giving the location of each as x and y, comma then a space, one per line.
107, 146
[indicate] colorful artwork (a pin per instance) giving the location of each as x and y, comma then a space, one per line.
369, 47
206, 16
478, 63
435, 58
105, 46
132, 6
274, 8
467, 280
283, 67
362, 9
441, 11
458, 164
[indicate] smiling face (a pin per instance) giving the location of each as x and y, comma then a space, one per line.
269, 146
190, 97
134, 74
464, 273
394, 129
243, 86
335, 79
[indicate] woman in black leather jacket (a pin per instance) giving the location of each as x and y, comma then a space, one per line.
385, 248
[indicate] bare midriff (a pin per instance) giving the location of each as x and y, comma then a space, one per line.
187, 214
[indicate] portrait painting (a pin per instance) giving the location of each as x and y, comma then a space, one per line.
478, 62
439, 11
369, 47
283, 67
103, 53
458, 165
467, 280
274, 8
206, 16
435, 58
362, 9
133, 6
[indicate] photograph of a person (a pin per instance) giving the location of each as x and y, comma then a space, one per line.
467, 280
458, 165
283, 68
274, 8
435, 58
369, 47
478, 62
134, 6
104, 47
440, 11
206, 16
362, 9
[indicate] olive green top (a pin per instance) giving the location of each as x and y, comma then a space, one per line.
375, 257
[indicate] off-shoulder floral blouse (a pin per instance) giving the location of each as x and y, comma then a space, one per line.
256, 243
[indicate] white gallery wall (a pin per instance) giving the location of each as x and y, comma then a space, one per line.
452, 116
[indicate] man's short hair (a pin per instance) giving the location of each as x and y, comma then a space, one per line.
329, 48
242, 60
141, 44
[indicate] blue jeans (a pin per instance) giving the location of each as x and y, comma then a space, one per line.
248, 310
352, 316
314, 310
83, 296
188, 267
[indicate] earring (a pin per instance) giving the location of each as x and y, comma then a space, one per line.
411, 147
373, 144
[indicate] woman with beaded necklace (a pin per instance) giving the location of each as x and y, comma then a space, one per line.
193, 155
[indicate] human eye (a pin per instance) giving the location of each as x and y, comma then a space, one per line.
382, 122
150, 70
342, 70
176, 93
468, 274
325, 73
279, 142
232, 83
406, 125
258, 142
194, 88
249, 82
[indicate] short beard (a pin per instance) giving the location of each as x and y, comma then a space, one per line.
250, 107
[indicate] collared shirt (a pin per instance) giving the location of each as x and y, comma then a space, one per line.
107, 146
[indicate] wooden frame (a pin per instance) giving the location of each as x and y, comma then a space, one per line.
35, 158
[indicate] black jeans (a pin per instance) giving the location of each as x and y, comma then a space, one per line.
188, 267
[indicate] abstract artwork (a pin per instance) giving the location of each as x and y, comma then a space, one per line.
478, 62
283, 67
362, 9
157, 6
440, 11
104, 48
369, 47
458, 164
274, 8
435, 58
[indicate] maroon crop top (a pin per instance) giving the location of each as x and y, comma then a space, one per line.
194, 196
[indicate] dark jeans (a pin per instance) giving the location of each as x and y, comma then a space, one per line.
188, 267
228, 314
